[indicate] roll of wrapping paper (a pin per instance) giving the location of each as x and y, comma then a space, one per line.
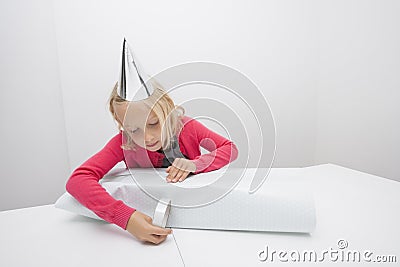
282, 204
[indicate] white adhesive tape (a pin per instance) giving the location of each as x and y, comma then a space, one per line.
161, 212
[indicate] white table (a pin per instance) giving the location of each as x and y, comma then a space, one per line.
360, 208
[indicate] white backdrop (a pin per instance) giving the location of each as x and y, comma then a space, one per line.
329, 69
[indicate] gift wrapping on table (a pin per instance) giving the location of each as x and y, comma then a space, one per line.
281, 204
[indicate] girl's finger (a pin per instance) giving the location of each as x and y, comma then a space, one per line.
184, 176
179, 175
173, 173
169, 177
175, 179
156, 230
172, 170
155, 239
161, 238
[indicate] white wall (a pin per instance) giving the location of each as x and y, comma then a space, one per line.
359, 86
329, 69
34, 163
274, 43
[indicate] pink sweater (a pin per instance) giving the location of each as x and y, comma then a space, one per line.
83, 183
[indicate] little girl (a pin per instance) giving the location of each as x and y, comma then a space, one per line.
146, 129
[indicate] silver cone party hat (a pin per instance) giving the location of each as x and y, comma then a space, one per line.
133, 84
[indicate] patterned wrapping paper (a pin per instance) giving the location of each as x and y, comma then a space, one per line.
282, 204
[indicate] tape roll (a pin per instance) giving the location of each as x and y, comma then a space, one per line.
161, 212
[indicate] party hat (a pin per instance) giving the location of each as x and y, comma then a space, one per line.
133, 82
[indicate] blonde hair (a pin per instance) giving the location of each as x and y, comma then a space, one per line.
169, 115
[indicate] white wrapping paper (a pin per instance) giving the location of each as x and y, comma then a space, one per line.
282, 204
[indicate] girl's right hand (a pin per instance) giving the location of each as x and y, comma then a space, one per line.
140, 225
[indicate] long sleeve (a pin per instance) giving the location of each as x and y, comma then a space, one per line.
83, 184
222, 151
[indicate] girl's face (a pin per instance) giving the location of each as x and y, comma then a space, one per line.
141, 124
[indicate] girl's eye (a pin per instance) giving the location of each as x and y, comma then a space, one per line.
134, 131
155, 123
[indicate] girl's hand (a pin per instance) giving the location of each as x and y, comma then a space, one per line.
180, 169
140, 225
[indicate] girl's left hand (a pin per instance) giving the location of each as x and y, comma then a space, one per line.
180, 169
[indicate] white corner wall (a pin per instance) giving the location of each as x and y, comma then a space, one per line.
34, 163
358, 122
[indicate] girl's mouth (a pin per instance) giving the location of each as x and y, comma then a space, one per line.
152, 145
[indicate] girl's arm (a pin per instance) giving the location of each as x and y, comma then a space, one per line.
84, 185
222, 150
